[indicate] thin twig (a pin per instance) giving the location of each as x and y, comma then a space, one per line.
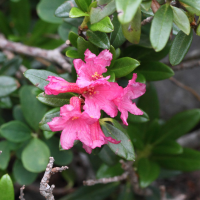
187, 65
106, 180
50, 55
45, 189
147, 20
185, 87
21, 197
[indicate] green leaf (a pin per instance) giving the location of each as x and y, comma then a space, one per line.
4, 24
154, 71
107, 156
7, 85
48, 134
83, 45
73, 38
33, 110
99, 39
111, 74
5, 102
125, 147
22, 176
38, 77
127, 9
138, 118
145, 54
124, 66
117, 37
179, 125
55, 100
83, 5
105, 25
106, 171
180, 47
161, 27
148, 172
76, 12
5, 155
132, 30
181, 20
90, 193
194, 3
126, 192
20, 13
64, 30
102, 2
46, 10
72, 54
55, 112
149, 102
18, 114
61, 157
35, 156
189, 160
64, 9
198, 30
6, 188
167, 147
15, 131
97, 14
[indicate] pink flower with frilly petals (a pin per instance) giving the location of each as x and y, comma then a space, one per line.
91, 70
78, 126
124, 102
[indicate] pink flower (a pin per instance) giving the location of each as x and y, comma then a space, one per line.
78, 126
92, 69
124, 102
58, 85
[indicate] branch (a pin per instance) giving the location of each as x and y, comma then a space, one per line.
189, 89
21, 193
45, 189
106, 180
50, 55
147, 20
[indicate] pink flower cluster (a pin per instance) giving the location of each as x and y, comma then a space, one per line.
96, 94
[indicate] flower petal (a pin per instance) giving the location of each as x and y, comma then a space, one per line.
57, 124
87, 149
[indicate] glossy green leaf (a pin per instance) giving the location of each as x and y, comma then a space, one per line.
83, 5
46, 10
154, 71
22, 176
99, 39
33, 110
35, 156
189, 160
117, 37
107, 156
64, 9
72, 54
38, 77
198, 30
55, 100
7, 85
20, 13
15, 131
127, 9
97, 14
90, 193
125, 147
148, 172
76, 12
194, 3
132, 30
179, 125
124, 66
61, 157
169, 147
73, 38
138, 118
181, 20
146, 5
180, 47
161, 27
82, 45
5, 155
6, 188
111, 74
55, 112
105, 25
48, 134
5, 102
106, 171
18, 114
149, 102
